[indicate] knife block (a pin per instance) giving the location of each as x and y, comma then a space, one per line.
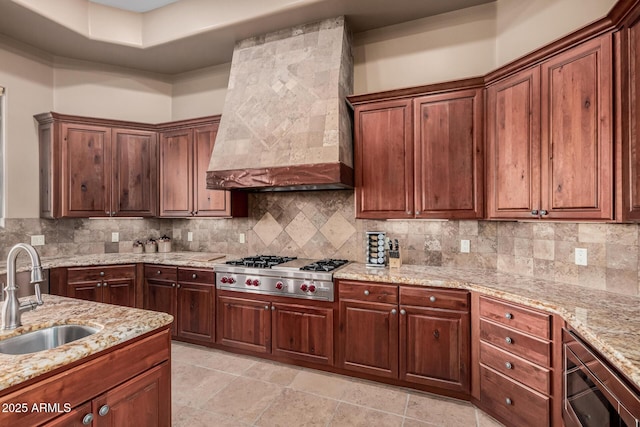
395, 259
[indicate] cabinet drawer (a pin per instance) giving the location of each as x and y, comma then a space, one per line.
84, 274
369, 292
160, 272
196, 276
526, 320
517, 368
523, 345
435, 298
510, 401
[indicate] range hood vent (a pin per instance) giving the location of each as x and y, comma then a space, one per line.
285, 123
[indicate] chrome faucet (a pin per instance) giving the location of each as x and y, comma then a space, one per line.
12, 308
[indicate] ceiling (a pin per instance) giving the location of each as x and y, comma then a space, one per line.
205, 46
139, 6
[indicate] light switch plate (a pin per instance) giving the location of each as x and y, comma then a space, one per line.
37, 240
115, 237
241, 238
190, 236
581, 256
465, 246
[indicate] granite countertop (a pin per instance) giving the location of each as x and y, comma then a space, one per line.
609, 322
180, 259
117, 324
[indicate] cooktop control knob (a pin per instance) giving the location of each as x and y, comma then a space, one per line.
256, 282
247, 282
224, 279
304, 287
231, 280
312, 288
279, 285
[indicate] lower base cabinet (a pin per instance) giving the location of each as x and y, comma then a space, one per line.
129, 386
261, 325
108, 284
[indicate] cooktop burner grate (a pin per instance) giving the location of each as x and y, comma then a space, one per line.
260, 261
324, 265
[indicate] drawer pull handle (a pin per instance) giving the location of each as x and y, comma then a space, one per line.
194, 276
432, 299
508, 401
366, 292
508, 315
102, 273
87, 419
159, 272
436, 334
509, 340
508, 365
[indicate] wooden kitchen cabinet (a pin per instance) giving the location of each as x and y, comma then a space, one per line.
160, 291
108, 284
420, 156
550, 146
419, 335
196, 305
185, 152
244, 323
96, 168
128, 385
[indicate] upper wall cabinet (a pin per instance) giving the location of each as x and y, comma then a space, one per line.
185, 151
419, 156
96, 168
550, 139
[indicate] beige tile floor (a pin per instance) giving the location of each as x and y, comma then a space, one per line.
215, 388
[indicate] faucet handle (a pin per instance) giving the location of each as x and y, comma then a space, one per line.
38, 294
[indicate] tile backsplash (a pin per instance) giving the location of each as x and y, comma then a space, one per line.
318, 224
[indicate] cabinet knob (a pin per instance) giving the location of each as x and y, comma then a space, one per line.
104, 410
403, 311
159, 272
194, 276
273, 308
544, 212
394, 311
178, 285
534, 212
508, 365
508, 401
408, 212
173, 285
417, 212
102, 274
105, 284
432, 299
87, 419
366, 292
266, 307
98, 285
508, 340
508, 315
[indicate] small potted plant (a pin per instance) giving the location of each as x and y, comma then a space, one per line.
138, 247
150, 246
164, 244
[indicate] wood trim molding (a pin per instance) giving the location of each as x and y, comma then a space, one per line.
318, 176
52, 117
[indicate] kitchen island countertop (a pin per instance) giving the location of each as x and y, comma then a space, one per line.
609, 322
117, 324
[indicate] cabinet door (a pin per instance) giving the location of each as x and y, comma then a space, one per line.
244, 323
302, 332
448, 155
86, 170
434, 347
142, 401
369, 338
78, 417
135, 173
176, 173
161, 295
207, 202
384, 160
196, 311
89, 291
577, 144
119, 292
513, 146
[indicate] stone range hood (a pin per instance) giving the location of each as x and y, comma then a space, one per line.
285, 123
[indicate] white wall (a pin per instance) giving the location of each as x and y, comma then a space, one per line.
28, 81
97, 90
200, 93
524, 26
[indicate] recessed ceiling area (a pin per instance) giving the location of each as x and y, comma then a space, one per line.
186, 35
139, 6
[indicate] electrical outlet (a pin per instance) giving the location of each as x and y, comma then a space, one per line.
465, 246
190, 236
37, 240
581, 256
241, 238
115, 237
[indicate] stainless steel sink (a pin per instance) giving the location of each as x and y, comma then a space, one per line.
45, 339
